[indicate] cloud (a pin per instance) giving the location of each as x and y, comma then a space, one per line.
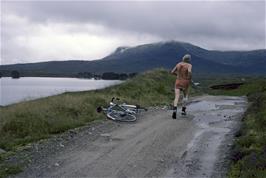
34, 42
35, 31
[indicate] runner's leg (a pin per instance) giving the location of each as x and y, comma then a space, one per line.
177, 95
185, 99
184, 102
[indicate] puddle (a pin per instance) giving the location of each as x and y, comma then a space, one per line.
202, 106
215, 103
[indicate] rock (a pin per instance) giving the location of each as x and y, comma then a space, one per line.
27, 147
106, 135
61, 145
164, 107
72, 132
56, 164
2, 151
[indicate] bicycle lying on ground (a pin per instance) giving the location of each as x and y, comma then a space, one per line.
121, 112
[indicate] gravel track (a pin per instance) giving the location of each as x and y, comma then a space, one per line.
197, 145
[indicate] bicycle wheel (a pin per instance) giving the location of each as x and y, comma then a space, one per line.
137, 108
121, 116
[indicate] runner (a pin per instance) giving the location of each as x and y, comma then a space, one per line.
183, 71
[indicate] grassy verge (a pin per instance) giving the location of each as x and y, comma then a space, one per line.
249, 150
7, 169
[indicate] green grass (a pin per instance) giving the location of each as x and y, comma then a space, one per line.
251, 85
6, 170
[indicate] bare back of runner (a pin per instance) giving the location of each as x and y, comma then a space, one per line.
183, 72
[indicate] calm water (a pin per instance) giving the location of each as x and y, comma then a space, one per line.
28, 88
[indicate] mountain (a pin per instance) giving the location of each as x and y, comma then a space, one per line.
149, 56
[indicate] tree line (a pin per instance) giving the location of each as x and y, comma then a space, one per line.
88, 75
13, 74
107, 75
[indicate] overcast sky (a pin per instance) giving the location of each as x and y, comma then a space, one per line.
35, 31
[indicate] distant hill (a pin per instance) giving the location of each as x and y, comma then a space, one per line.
149, 56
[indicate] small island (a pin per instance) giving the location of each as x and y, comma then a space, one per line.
15, 74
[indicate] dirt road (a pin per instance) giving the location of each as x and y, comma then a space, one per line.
155, 146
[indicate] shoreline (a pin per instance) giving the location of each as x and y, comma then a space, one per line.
56, 86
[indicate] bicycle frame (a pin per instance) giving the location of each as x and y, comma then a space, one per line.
118, 112
126, 108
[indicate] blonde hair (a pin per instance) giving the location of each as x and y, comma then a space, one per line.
186, 58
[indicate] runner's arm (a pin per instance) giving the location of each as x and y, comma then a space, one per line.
174, 70
190, 72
